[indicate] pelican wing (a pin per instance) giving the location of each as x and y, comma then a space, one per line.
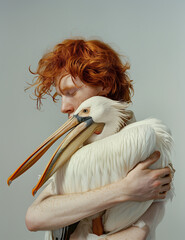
109, 160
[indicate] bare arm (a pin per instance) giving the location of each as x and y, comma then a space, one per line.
131, 233
49, 212
55, 211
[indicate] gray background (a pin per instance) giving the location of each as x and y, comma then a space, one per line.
150, 33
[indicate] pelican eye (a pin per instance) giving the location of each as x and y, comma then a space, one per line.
85, 112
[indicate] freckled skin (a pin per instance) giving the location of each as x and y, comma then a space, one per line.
74, 92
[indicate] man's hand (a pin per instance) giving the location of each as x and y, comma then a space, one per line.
145, 184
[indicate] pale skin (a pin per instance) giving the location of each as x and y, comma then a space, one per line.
49, 211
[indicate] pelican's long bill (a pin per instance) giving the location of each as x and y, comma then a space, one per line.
82, 129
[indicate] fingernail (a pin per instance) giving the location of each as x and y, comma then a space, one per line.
157, 153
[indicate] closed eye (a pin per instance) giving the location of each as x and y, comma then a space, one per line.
71, 92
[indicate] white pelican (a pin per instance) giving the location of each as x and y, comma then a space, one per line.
116, 146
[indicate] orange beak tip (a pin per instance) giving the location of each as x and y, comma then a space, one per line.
34, 192
9, 182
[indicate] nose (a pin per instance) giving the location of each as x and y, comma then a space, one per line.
67, 106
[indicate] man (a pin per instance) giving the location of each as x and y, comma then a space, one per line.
81, 69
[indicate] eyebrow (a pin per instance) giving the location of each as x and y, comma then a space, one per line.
67, 88
62, 90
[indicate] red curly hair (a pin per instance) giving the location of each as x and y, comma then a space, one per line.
93, 61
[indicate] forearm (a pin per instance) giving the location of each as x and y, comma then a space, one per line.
50, 212
131, 233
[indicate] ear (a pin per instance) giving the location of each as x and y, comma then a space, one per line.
104, 91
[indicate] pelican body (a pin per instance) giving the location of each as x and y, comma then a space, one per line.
104, 145
106, 161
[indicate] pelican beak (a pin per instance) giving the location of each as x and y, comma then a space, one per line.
82, 129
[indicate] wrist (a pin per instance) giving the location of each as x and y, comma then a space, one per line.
119, 192
126, 191
142, 232
143, 226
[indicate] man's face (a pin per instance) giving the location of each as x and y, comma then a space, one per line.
74, 92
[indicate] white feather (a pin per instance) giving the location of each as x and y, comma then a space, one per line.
109, 159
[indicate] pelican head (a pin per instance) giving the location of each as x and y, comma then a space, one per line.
112, 114
96, 118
